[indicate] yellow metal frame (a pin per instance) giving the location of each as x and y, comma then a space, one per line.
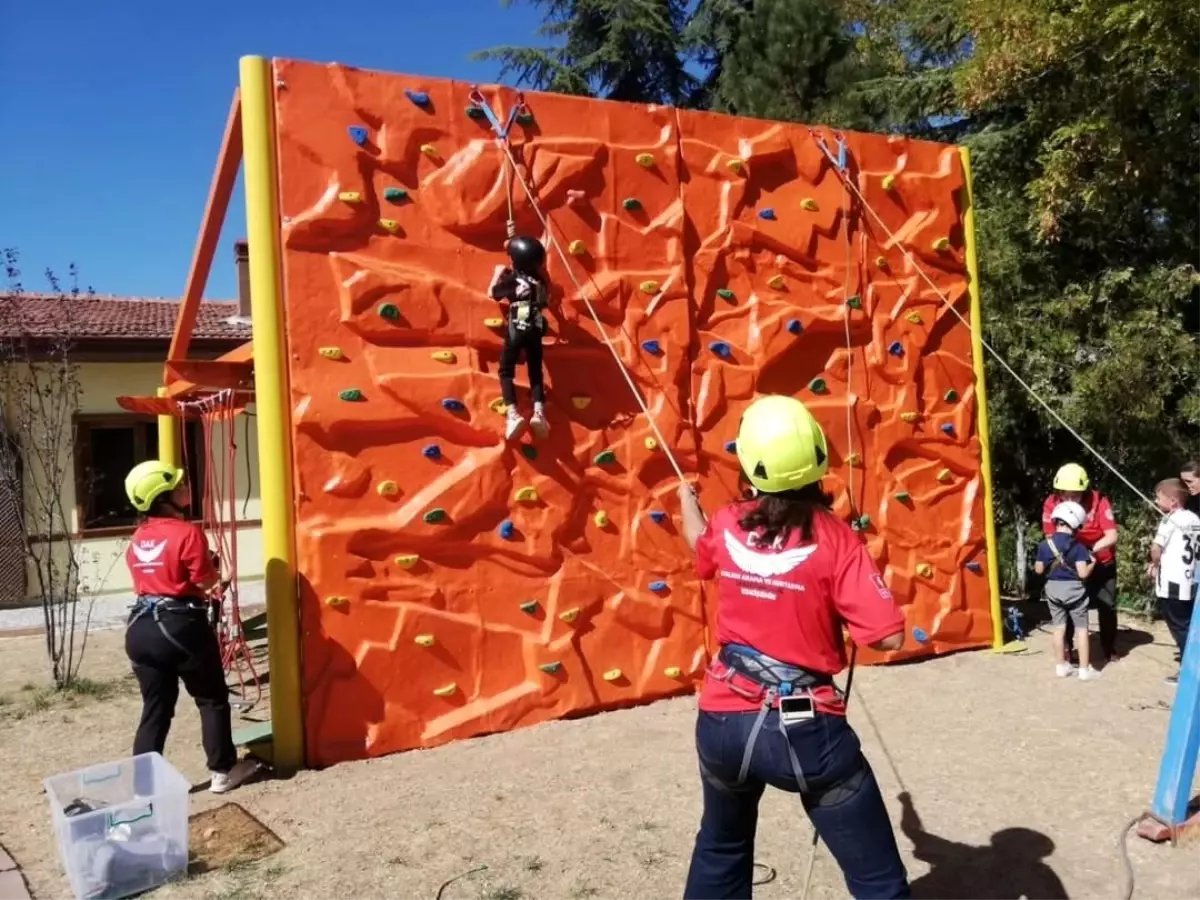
168, 436
260, 172
989, 510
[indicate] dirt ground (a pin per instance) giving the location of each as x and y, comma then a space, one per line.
608, 806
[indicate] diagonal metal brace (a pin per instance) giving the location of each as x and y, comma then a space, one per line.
477, 98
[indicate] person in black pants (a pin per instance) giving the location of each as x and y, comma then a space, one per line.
168, 637
525, 288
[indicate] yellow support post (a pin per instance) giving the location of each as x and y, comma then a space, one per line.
271, 408
989, 522
168, 436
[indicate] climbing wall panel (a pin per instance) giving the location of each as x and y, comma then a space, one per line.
452, 584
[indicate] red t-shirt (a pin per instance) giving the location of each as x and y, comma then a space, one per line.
791, 601
169, 558
1100, 519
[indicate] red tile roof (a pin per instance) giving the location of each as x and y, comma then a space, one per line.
93, 317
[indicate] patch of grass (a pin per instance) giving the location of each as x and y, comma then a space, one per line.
581, 890
36, 699
29, 686
647, 825
503, 892
246, 879
534, 864
397, 861
5, 700
98, 690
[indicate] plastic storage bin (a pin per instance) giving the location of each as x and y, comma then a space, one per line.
122, 827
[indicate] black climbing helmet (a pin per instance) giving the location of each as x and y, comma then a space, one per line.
527, 254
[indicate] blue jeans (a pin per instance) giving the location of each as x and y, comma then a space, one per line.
853, 824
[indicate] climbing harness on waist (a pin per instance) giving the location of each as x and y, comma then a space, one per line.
153, 606
1060, 561
525, 313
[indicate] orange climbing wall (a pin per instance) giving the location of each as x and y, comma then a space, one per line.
453, 585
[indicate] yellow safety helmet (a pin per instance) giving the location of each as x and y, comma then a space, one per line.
151, 479
1071, 477
780, 445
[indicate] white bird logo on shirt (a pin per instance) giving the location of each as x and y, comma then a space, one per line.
149, 554
766, 565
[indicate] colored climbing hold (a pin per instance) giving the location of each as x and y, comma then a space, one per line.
944, 476
351, 395
633, 204
725, 293
795, 326
776, 282
951, 395
494, 322
580, 401
974, 567
920, 636
389, 225
651, 443
854, 302
498, 406
358, 134
909, 416
948, 430
527, 494
810, 204
915, 318
407, 560
604, 457
853, 460
446, 356
506, 529
896, 348
731, 446
475, 112
331, 352
817, 386
524, 118
395, 195
612, 675
657, 516
650, 346
423, 640
387, 488
645, 160
445, 690
601, 519
350, 197
901, 496
881, 262
672, 671
577, 248
529, 607
434, 515
862, 523
941, 245
550, 668
336, 601
888, 182
453, 405
419, 98
649, 287
658, 586
429, 150
569, 615
721, 349
925, 570
736, 165
768, 214
529, 451
432, 451
389, 311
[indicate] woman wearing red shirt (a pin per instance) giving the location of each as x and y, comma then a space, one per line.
791, 576
168, 637
1099, 534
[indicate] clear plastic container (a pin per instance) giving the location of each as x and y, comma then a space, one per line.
122, 827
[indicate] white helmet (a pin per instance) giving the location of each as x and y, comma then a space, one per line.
1070, 514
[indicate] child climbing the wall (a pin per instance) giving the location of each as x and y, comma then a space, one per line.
1067, 563
1173, 560
525, 288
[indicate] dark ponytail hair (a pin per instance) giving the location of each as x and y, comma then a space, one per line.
776, 515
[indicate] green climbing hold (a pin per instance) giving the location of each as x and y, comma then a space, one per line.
529, 450
351, 394
854, 302
725, 293
529, 606
951, 395
901, 496
435, 515
605, 456
395, 195
632, 203
864, 522
476, 112
551, 667
525, 118
389, 311
817, 385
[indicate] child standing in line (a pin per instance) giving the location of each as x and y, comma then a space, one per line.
525, 287
1173, 560
1066, 563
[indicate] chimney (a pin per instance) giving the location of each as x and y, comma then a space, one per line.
241, 258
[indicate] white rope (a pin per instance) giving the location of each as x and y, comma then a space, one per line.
662, 441
849, 365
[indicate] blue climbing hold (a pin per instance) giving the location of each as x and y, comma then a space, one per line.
795, 326
721, 349
920, 636
358, 134
896, 348
768, 214
433, 451
658, 516
974, 567
506, 529
948, 429
731, 446
650, 346
453, 405
658, 586
419, 98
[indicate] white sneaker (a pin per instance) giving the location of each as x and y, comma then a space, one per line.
541, 428
241, 772
1088, 674
514, 425
1063, 669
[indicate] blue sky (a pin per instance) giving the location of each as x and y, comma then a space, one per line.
111, 115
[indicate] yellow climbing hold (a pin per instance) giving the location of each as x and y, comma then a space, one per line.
909, 416
925, 570
389, 225
569, 615
446, 356
494, 323
646, 160
854, 459
577, 248
651, 444
445, 690
429, 149
810, 204
526, 495
649, 287
350, 197
612, 675
673, 671
941, 245
336, 601
601, 519
915, 318
407, 560
331, 352
579, 401
776, 282
889, 181
499, 406
388, 488
736, 165
944, 476
423, 640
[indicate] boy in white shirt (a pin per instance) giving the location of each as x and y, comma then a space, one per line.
1173, 560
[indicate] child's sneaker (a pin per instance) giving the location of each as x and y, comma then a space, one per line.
514, 424
1063, 669
1088, 674
541, 428
242, 771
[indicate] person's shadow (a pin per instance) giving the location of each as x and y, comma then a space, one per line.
1010, 868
